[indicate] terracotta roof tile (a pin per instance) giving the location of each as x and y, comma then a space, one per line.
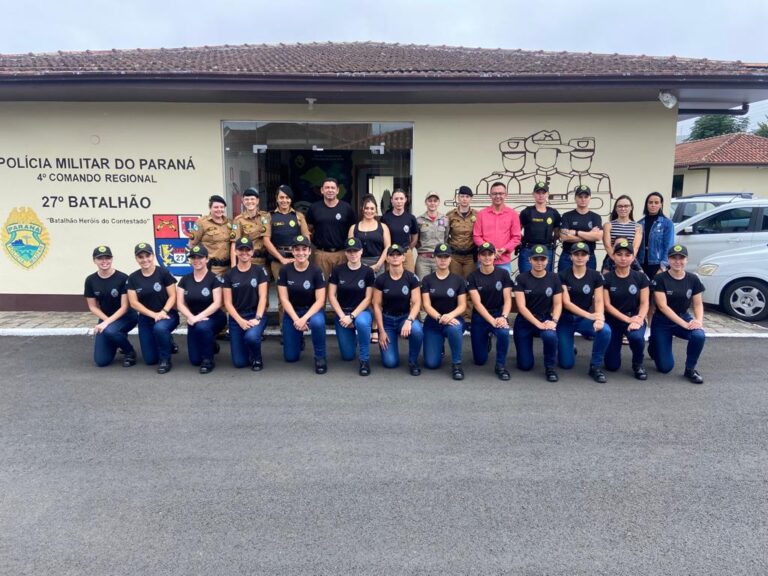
362, 59
729, 149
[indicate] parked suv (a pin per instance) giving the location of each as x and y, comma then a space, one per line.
733, 225
686, 207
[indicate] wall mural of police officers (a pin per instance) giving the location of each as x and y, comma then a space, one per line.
544, 157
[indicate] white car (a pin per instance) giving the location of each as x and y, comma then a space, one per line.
733, 225
737, 280
684, 207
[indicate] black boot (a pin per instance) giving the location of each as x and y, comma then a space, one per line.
165, 366
597, 374
414, 369
129, 359
551, 375
502, 372
639, 372
206, 366
457, 372
693, 375
257, 365
321, 366
365, 368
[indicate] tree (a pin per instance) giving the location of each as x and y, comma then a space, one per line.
716, 125
762, 128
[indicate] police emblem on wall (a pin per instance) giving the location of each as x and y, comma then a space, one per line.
172, 232
25, 238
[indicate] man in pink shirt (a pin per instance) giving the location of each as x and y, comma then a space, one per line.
500, 225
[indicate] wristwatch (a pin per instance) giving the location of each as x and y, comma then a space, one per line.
351, 316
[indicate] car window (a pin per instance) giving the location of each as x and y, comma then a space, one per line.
764, 224
693, 208
725, 222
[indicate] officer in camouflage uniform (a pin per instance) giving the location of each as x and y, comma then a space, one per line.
216, 233
433, 231
253, 224
461, 224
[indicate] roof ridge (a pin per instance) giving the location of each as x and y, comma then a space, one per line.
367, 43
727, 141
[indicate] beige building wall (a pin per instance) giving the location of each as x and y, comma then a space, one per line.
726, 179
453, 145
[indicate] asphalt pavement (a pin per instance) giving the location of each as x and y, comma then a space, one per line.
122, 471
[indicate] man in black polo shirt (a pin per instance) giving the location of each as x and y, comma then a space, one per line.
329, 220
540, 224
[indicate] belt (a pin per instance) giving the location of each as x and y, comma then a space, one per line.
460, 252
328, 249
532, 244
426, 255
219, 262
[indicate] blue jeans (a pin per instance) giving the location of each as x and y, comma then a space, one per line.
662, 331
566, 327
349, 338
201, 336
390, 357
507, 267
292, 337
636, 344
479, 334
524, 265
524, 333
114, 338
566, 263
155, 337
245, 345
435, 335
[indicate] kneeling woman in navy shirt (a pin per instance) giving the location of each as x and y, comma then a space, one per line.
538, 295
675, 291
246, 289
584, 312
105, 294
444, 297
396, 305
490, 289
301, 288
198, 298
151, 292
350, 290
626, 296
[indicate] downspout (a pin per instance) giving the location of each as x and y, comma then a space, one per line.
706, 111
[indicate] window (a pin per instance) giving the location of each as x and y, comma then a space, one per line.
727, 221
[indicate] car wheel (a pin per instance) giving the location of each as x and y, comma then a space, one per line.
747, 300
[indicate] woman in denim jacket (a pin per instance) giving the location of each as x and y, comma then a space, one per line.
658, 236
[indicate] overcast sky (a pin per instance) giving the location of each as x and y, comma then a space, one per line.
713, 29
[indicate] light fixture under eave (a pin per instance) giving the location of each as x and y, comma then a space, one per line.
668, 99
311, 103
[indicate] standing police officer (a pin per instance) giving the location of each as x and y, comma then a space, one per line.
580, 225
461, 224
541, 225
216, 233
253, 224
330, 220
433, 231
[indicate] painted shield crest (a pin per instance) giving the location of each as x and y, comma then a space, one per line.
25, 238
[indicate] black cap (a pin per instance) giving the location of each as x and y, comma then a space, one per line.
541, 186
285, 189
198, 251
142, 247
244, 242
582, 190
353, 244
100, 251
623, 244
678, 250
442, 250
301, 241
486, 247
216, 198
251, 192
395, 248
466, 190
539, 251
580, 247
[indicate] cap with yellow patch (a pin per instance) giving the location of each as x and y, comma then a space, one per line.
486, 247
102, 252
678, 250
442, 250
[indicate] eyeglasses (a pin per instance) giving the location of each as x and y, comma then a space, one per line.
623, 206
